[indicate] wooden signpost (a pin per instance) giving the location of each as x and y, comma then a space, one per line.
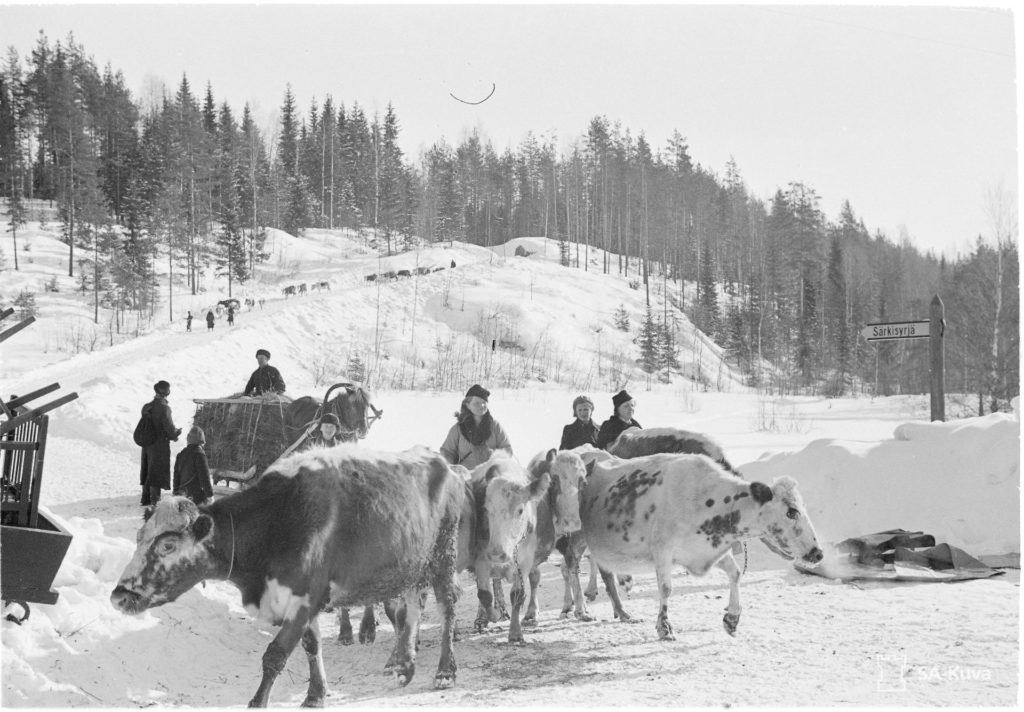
932, 329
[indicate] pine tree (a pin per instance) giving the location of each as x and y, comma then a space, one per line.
621, 318
709, 317
649, 340
668, 350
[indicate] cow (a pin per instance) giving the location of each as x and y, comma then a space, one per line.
371, 278
323, 285
302, 288
514, 535
635, 442
404, 273
389, 275
288, 291
250, 303
665, 509
343, 525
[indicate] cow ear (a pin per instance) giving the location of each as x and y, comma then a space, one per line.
491, 473
552, 453
539, 486
760, 492
201, 527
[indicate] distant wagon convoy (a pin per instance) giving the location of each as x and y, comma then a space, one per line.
245, 435
288, 545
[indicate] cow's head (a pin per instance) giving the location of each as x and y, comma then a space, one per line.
567, 476
510, 506
787, 529
170, 557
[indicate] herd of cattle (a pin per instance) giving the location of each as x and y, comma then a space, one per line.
396, 274
347, 526
292, 289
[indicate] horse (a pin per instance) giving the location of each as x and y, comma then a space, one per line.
353, 406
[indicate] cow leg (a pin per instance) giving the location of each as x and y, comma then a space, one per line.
446, 591
389, 611
344, 627
517, 598
613, 593
591, 592
483, 593
530, 619
367, 627
277, 654
571, 574
499, 601
663, 569
403, 658
317, 678
732, 613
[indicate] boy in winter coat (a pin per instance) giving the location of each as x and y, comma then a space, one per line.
191, 470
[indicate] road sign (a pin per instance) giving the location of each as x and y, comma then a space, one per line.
897, 330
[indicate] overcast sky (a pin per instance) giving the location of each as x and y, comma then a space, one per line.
909, 113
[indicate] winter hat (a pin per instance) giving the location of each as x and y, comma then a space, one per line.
195, 436
479, 391
162, 387
581, 400
263, 352
332, 419
620, 398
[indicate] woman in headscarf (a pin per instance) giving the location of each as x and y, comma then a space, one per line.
476, 435
622, 419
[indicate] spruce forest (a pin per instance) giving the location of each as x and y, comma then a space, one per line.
784, 288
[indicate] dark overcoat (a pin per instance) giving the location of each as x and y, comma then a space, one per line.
156, 458
578, 433
192, 474
611, 429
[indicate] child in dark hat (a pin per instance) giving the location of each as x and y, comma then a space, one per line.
622, 418
191, 469
476, 435
582, 430
328, 432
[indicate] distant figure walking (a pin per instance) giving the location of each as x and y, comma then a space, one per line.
231, 316
453, 264
209, 320
261, 302
188, 322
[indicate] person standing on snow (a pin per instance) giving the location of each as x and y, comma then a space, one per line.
622, 418
191, 469
265, 379
581, 431
209, 320
188, 322
155, 472
476, 435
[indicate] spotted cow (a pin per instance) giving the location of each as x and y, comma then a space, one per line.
661, 510
341, 525
636, 442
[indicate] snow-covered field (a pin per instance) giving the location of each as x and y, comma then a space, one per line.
863, 465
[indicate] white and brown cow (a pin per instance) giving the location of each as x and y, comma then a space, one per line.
636, 442
344, 525
514, 534
662, 510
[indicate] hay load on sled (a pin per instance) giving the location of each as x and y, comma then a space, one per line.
246, 434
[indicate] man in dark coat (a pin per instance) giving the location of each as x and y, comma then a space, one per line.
265, 379
581, 431
155, 473
622, 418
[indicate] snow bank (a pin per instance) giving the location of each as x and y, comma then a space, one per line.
959, 481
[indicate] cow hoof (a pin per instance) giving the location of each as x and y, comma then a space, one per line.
664, 629
366, 637
313, 702
345, 639
625, 617
590, 596
584, 617
730, 621
444, 680
516, 639
530, 622
405, 674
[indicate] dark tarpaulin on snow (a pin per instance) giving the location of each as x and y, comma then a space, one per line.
898, 555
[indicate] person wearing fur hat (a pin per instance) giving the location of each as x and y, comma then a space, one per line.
622, 418
581, 431
191, 469
476, 435
265, 379
327, 432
